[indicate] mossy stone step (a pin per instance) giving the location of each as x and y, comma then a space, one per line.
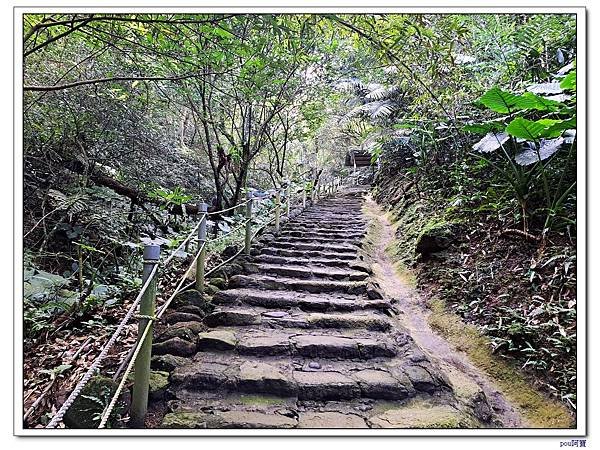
281, 299
295, 318
297, 284
309, 271
296, 253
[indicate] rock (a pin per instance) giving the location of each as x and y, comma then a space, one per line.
167, 362
232, 318
373, 292
184, 333
314, 365
88, 406
313, 419
270, 345
435, 237
229, 251
210, 289
264, 378
481, 407
275, 314
381, 385
251, 419
218, 282
186, 420
175, 317
420, 378
227, 419
325, 386
216, 340
194, 327
159, 381
420, 416
191, 309
174, 346
190, 297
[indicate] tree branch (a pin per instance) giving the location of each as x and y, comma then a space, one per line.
58, 87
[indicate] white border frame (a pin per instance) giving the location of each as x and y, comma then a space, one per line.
582, 403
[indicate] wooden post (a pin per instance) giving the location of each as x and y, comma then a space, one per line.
248, 238
303, 195
200, 263
289, 199
277, 209
141, 383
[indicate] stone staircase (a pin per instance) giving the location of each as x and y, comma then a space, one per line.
304, 339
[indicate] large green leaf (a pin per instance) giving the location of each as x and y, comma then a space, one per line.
506, 102
570, 81
525, 129
499, 101
542, 128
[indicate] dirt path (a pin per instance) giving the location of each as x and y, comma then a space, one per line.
413, 315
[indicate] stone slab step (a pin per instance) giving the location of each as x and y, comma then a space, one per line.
280, 299
309, 271
333, 380
322, 240
224, 316
314, 345
337, 248
317, 232
273, 259
297, 284
296, 253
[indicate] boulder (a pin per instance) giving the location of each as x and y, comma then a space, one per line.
88, 406
174, 346
159, 382
435, 237
167, 362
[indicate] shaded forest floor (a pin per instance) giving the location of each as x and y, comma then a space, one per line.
464, 354
520, 294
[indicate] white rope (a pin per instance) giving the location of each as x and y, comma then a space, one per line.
92, 369
106, 413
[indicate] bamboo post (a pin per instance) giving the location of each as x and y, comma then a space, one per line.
289, 199
248, 238
141, 383
303, 196
277, 209
201, 262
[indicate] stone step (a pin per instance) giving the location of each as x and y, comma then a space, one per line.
314, 345
225, 316
322, 240
297, 284
308, 271
318, 232
273, 259
282, 300
316, 222
296, 253
295, 245
307, 380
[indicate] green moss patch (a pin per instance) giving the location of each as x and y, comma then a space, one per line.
539, 410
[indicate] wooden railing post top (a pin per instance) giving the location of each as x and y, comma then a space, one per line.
151, 252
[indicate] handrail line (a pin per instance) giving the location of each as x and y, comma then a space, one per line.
141, 339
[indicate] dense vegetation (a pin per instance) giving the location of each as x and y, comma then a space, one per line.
470, 119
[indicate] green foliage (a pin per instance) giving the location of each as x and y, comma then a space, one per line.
171, 197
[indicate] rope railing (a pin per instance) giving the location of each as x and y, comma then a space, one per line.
146, 299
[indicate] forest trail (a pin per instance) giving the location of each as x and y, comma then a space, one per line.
311, 336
